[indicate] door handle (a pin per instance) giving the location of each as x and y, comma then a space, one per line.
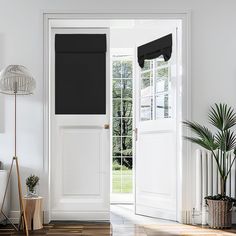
106, 126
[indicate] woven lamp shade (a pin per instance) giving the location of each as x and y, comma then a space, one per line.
16, 79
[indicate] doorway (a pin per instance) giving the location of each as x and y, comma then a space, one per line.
125, 157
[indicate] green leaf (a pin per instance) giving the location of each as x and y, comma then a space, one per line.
226, 140
222, 117
204, 138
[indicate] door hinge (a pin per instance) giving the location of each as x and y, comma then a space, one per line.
136, 134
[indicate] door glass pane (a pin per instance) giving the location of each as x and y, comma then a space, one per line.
116, 175
127, 126
116, 108
127, 146
116, 146
127, 69
116, 66
155, 89
127, 108
127, 176
163, 108
146, 108
116, 127
127, 88
116, 93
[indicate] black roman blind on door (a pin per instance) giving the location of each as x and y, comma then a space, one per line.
80, 74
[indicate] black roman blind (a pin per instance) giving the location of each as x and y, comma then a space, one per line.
80, 74
154, 49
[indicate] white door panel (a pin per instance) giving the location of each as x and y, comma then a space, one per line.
79, 155
156, 140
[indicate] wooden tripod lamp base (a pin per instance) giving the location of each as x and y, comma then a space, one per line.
21, 203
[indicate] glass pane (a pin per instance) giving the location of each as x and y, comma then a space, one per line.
163, 109
127, 69
116, 164
162, 85
147, 75
117, 127
161, 62
127, 175
127, 126
116, 146
127, 89
127, 146
117, 108
116, 93
148, 64
116, 69
146, 108
127, 163
116, 181
162, 72
127, 108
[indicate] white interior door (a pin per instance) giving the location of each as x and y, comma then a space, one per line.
79, 152
156, 138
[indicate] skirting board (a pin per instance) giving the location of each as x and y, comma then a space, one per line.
77, 216
80, 216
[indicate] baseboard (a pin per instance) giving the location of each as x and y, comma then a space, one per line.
80, 216
14, 216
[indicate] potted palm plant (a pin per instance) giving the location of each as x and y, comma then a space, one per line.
221, 143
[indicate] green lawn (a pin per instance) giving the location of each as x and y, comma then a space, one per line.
122, 182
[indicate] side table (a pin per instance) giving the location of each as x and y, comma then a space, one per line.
33, 211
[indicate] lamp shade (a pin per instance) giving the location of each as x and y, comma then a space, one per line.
16, 79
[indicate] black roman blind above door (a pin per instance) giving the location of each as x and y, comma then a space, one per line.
80, 74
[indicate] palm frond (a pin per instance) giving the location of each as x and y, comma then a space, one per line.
204, 138
222, 117
226, 140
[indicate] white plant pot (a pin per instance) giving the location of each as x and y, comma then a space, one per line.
3, 183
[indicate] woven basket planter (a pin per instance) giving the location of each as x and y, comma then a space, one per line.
220, 214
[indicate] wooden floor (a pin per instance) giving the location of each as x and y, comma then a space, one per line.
103, 229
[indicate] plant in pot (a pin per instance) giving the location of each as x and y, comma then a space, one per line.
31, 183
222, 144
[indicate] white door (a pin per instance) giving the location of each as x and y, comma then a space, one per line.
156, 138
79, 152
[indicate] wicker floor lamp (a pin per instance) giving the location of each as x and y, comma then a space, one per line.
16, 80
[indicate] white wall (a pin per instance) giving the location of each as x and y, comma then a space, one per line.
21, 42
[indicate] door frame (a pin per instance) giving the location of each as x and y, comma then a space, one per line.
184, 197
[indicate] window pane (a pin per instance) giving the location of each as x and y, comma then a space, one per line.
116, 146
162, 72
127, 126
127, 146
148, 64
127, 108
127, 69
116, 126
117, 108
163, 109
161, 62
162, 85
127, 163
146, 108
116, 164
116, 88
116, 69
147, 75
127, 175
127, 89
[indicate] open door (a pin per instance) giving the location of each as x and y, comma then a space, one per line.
156, 137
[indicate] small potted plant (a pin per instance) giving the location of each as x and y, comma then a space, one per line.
31, 183
222, 144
